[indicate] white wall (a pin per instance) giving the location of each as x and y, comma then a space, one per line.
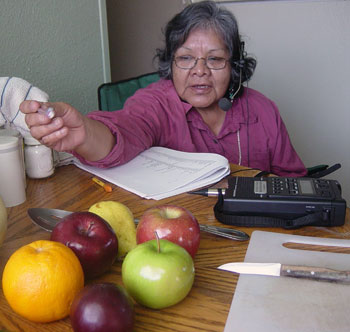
56, 46
135, 31
303, 53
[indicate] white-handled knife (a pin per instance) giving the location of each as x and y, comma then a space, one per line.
282, 270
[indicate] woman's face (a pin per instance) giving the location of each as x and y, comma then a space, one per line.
200, 86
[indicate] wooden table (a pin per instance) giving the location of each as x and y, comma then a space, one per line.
207, 305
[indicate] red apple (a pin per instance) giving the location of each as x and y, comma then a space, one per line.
91, 238
103, 307
173, 223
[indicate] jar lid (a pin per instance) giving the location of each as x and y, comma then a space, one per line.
10, 132
8, 142
30, 140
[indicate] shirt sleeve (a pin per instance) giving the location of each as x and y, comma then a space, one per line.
136, 128
285, 160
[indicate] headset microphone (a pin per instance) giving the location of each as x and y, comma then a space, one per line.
225, 104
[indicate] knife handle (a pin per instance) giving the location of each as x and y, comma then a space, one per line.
315, 273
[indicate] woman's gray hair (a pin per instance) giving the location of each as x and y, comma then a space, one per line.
204, 15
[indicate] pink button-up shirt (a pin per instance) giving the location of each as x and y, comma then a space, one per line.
253, 133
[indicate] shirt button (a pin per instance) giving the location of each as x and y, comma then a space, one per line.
215, 141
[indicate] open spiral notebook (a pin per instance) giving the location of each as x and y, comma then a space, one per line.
159, 172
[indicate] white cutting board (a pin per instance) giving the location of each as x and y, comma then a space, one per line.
277, 304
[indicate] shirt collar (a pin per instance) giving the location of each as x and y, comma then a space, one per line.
186, 106
235, 112
233, 120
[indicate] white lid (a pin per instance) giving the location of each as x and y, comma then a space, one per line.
30, 140
10, 132
8, 142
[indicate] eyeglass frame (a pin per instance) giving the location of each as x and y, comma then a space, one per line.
205, 62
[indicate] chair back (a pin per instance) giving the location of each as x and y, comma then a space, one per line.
112, 96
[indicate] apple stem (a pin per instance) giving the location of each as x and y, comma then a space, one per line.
158, 242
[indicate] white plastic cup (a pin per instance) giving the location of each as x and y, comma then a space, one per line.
12, 184
16, 133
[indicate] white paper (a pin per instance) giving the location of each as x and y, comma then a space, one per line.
160, 172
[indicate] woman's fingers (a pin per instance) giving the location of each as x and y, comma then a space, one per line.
55, 137
29, 106
34, 116
40, 128
64, 130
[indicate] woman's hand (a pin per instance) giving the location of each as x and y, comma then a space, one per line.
66, 131
69, 130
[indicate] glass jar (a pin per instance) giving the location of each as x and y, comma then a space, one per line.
38, 159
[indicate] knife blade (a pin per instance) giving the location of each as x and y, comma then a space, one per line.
284, 270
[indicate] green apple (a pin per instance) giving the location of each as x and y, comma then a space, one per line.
158, 274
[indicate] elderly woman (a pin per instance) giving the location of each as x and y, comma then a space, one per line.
199, 105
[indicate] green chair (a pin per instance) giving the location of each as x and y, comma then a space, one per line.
112, 96
311, 171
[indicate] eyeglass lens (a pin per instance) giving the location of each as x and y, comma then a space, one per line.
189, 62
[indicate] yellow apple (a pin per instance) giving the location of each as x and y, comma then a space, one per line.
3, 221
121, 219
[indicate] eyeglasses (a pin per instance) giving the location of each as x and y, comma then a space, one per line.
189, 62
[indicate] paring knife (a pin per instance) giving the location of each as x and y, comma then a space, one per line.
283, 270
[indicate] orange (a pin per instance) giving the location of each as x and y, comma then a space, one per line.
41, 279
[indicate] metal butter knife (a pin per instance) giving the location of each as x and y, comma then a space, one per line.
284, 270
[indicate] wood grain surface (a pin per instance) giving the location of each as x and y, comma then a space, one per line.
207, 305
